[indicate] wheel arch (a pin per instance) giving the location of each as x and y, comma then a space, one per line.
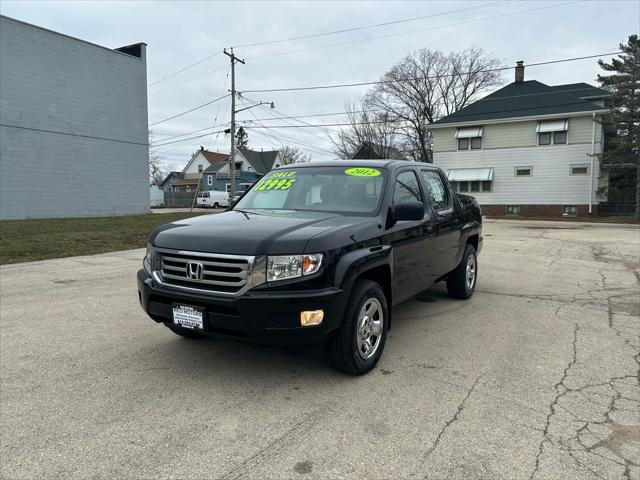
373, 264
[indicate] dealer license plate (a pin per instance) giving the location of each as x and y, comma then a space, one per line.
188, 317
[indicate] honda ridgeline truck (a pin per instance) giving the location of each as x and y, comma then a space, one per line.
315, 252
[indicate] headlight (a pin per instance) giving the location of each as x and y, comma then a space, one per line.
282, 267
148, 259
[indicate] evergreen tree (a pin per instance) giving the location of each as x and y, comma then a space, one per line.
242, 138
622, 148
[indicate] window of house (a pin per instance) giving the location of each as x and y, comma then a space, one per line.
474, 143
559, 138
239, 166
523, 171
407, 188
209, 180
581, 169
437, 189
228, 187
512, 209
552, 132
469, 138
466, 186
199, 168
569, 211
475, 186
544, 138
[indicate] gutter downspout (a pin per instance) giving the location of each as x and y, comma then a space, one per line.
593, 153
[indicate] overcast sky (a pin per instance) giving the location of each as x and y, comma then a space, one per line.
179, 34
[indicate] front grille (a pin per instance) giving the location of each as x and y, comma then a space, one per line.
225, 274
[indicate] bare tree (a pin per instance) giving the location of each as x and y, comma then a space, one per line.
289, 155
156, 171
423, 87
366, 126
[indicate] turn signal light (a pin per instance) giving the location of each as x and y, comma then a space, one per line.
311, 318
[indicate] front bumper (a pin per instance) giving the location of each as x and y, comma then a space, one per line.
261, 317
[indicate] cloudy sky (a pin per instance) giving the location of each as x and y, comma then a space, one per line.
181, 34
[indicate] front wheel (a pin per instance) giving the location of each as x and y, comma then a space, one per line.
358, 345
462, 281
216, 205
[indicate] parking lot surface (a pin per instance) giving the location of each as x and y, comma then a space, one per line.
537, 376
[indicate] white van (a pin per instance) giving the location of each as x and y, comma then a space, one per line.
213, 199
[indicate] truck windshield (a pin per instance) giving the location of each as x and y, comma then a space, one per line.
347, 189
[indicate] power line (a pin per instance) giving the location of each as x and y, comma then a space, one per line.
182, 69
189, 80
429, 77
398, 34
208, 129
20, 127
365, 27
188, 111
402, 120
208, 57
183, 140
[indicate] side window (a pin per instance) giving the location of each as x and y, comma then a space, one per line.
438, 192
406, 188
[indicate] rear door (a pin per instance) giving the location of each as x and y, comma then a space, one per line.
413, 241
448, 220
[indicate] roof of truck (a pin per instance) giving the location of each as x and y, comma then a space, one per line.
390, 163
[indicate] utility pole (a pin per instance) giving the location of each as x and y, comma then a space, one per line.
232, 163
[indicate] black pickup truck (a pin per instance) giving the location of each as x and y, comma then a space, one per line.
315, 252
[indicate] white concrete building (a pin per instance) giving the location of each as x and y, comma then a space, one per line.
526, 149
73, 126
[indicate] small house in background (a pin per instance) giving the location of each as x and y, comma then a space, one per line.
527, 149
190, 177
374, 151
169, 180
250, 166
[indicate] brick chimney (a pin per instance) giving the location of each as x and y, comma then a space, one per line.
519, 71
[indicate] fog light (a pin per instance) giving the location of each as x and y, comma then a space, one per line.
311, 318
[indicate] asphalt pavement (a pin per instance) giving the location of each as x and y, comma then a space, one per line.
535, 377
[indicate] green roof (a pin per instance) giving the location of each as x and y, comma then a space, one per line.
530, 98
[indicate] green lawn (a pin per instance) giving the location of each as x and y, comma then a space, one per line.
29, 240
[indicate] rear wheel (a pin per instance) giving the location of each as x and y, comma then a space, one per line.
462, 281
185, 332
358, 345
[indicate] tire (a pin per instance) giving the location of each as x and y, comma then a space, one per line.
185, 332
347, 348
216, 205
462, 281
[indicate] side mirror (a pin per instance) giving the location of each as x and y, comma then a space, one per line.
408, 211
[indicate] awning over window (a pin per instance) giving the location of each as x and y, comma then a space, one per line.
469, 132
553, 126
470, 174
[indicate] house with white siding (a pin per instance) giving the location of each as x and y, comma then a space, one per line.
528, 149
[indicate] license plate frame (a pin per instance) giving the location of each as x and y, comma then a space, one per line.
188, 316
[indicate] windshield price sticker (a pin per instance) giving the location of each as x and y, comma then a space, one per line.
277, 181
362, 172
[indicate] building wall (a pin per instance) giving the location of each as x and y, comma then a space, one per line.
220, 184
191, 170
516, 134
73, 126
551, 182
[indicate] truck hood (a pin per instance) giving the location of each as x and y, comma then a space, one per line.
271, 232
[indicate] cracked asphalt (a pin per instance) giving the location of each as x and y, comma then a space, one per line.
537, 376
